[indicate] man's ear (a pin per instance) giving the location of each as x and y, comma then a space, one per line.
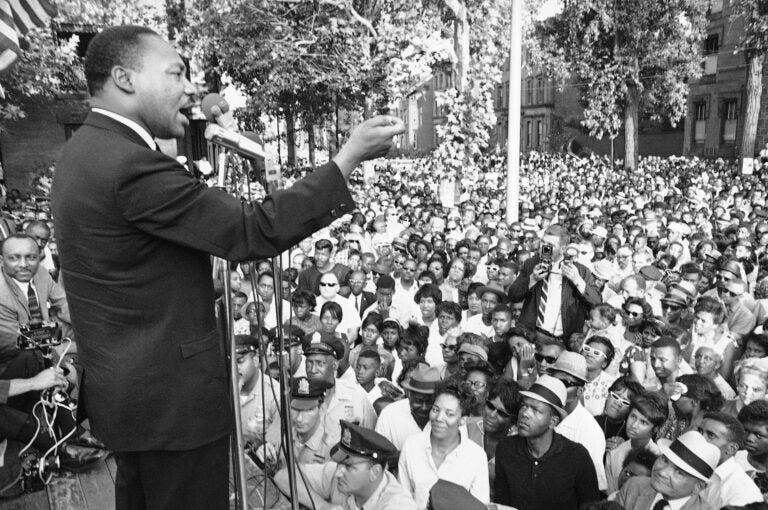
122, 77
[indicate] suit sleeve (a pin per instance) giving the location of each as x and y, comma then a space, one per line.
159, 197
590, 295
520, 289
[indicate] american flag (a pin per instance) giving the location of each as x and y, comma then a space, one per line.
17, 17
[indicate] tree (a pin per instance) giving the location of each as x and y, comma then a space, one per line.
628, 57
754, 44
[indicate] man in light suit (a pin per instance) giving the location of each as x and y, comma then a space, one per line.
135, 233
684, 469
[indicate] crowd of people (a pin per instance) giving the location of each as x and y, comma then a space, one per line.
605, 350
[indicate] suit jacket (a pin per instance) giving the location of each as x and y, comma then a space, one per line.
366, 300
135, 231
637, 494
575, 305
14, 309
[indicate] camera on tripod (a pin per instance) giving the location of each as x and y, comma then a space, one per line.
39, 335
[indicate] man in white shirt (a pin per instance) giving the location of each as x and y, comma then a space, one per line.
580, 426
406, 417
737, 488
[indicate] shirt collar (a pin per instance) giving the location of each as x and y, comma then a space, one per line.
143, 133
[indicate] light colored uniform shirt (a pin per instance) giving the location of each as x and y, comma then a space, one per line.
257, 418
349, 402
396, 423
389, 495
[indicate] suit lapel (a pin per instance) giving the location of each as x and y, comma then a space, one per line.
100, 121
17, 293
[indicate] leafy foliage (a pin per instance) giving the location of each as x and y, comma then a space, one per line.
754, 40
613, 48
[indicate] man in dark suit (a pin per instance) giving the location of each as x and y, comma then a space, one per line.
135, 231
557, 292
362, 299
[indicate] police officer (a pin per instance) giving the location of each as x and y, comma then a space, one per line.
307, 420
357, 477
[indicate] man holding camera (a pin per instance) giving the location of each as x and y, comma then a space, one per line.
26, 289
557, 292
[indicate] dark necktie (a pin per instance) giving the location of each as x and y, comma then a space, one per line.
661, 504
34, 307
542, 303
357, 303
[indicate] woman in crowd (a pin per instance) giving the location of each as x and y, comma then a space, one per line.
692, 397
613, 420
499, 416
370, 335
443, 451
707, 363
604, 321
330, 318
451, 286
636, 311
647, 413
751, 384
390, 338
411, 350
303, 304
599, 352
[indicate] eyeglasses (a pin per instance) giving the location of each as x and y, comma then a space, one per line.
501, 412
476, 385
451, 347
670, 307
591, 351
572, 384
725, 291
541, 358
621, 400
322, 284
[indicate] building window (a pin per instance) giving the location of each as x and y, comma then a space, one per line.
711, 48
730, 120
700, 116
539, 134
529, 91
539, 90
528, 133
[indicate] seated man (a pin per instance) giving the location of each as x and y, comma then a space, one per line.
357, 478
259, 393
677, 479
307, 420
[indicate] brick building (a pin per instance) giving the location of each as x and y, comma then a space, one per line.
714, 125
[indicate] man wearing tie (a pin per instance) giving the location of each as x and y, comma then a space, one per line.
557, 292
678, 477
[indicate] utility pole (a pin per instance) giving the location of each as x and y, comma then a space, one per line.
513, 141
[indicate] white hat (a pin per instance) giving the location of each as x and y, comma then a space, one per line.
604, 269
693, 454
549, 390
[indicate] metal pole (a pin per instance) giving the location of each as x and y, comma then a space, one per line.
238, 445
513, 142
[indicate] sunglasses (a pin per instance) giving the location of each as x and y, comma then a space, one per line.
621, 400
591, 351
723, 290
633, 314
541, 358
451, 347
501, 412
328, 284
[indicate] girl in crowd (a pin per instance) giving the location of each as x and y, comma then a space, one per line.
613, 421
751, 384
457, 272
390, 336
599, 352
604, 321
303, 304
444, 451
647, 413
370, 335
330, 318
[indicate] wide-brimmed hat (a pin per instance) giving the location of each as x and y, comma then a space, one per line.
423, 380
549, 390
474, 350
693, 454
493, 288
571, 363
604, 269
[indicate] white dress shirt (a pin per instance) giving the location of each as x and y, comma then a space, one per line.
581, 427
143, 133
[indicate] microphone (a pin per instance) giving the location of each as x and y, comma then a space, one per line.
216, 108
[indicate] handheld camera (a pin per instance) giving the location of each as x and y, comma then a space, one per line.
38, 335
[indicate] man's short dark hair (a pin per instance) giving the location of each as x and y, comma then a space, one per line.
429, 291
323, 244
114, 46
734, 426
667, 341
754, 412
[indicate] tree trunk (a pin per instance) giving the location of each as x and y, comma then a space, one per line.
290, 137
752, 107
311, 143
630, 127
461, 46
